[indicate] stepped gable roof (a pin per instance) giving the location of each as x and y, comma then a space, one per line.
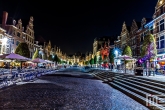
160, 3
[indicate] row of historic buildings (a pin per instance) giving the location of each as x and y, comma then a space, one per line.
134, 35
99, 43
12, 33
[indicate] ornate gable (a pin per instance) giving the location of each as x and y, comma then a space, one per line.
160, 3
19, 25
29, 27
124, 29
49, 46
143, 22
31, 23
134, 27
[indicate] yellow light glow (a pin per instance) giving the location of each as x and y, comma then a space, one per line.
161, 2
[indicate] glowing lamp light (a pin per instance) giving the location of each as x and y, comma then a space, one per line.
4, 41
161, 2
116, 51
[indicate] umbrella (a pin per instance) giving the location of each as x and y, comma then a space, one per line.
38, 60
14, 56
17, 57
124, 57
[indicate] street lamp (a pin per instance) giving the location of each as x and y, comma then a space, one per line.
116, 53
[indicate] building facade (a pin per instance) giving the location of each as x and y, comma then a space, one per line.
133, 41
158, 24
18, 33
123, 39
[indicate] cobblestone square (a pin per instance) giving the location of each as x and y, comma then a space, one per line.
65, 93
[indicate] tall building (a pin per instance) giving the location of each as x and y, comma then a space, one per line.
158, 25
100, 41
18, 32
146, 28
133, 38
123, 39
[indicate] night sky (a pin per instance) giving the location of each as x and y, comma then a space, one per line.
73, 25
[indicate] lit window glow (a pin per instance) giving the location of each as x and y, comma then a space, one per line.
4, 41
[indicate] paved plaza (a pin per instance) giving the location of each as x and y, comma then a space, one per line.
53, 92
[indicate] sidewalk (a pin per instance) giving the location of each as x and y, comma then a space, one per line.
156, 77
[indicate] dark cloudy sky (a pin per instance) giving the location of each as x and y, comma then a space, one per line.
74, 25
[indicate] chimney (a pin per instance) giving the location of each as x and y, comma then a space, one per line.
4, 19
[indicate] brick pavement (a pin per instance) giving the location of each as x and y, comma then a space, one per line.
65, 93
